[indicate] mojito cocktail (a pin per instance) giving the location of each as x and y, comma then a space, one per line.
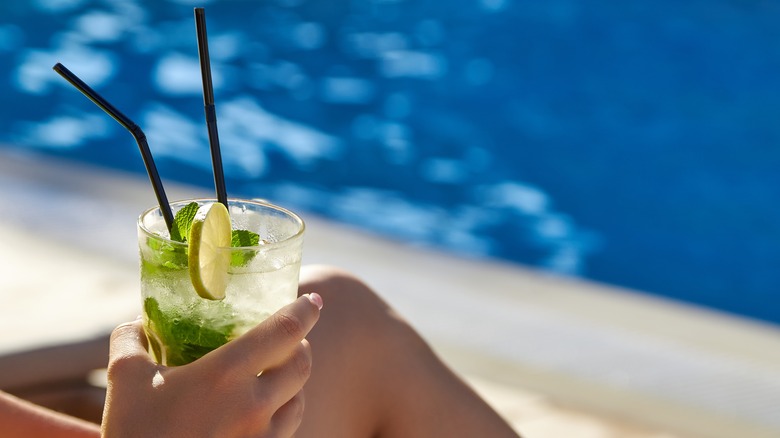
257, 274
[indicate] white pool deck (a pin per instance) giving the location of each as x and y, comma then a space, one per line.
557, 357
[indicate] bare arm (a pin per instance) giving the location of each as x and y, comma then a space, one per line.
22, 419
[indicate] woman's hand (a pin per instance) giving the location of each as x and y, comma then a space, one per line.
220, 394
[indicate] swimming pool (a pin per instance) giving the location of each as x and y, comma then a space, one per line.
633, 144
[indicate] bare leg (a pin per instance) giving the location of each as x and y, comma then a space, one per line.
373, 376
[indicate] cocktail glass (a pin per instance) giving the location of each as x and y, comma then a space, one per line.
180, 325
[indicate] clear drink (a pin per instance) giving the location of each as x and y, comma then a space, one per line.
181, 325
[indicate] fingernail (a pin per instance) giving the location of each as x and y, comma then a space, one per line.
316, 299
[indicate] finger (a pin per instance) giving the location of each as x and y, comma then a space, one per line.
271, 341
275, 386
288, 418
128, 341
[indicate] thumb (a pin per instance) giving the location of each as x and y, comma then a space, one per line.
128, 340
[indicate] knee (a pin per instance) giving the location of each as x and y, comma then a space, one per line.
347, 299
334, 283
355, 314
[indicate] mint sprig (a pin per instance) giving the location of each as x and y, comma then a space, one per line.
185, 339
180, 229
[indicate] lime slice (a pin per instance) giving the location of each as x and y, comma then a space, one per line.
210, 231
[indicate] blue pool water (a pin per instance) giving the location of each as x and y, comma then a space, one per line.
634, 143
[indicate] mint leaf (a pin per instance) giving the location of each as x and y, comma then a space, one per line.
243, 238
164, 255
184, 339
180, 229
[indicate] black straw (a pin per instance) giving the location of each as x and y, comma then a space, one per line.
138, 134
208, 103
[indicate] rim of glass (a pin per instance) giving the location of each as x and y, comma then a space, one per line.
260, 202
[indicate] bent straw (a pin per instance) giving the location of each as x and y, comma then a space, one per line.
138, 134
208, 104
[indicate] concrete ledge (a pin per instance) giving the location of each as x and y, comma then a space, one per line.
558, 357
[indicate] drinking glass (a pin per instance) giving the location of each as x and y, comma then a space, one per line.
180, 325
